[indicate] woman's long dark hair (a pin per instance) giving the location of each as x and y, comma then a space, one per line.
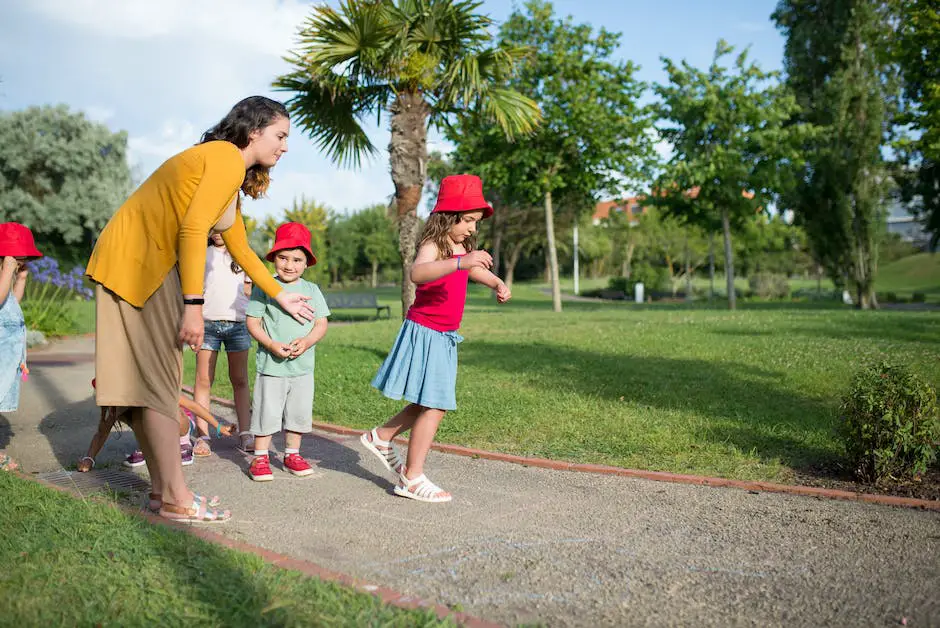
250, 114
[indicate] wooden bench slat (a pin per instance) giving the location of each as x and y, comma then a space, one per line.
356, 301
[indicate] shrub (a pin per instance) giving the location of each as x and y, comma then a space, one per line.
50, 294
918, 297
621, 284
891, 297
769, 285
653, 277
890, 423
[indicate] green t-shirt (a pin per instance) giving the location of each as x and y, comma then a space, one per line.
283, 327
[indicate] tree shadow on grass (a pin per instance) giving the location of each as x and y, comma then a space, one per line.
907, 327
105, 566
746, 405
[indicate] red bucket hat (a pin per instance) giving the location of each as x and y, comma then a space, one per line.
292, 235
16, 240
462, 193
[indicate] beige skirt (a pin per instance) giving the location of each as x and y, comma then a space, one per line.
138, 357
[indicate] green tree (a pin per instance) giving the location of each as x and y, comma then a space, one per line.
595, 135
419, 61
257, 238
375, 238
312, 215
731, 140
834, 59
916, 48
343, 247
63, 176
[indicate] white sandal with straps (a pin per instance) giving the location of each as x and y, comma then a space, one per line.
422, 489
384, 450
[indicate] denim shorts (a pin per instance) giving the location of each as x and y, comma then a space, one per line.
234, 335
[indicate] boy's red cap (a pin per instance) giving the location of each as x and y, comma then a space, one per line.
292, 235
16, 240
462, 193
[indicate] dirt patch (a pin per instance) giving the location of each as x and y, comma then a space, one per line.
835, 475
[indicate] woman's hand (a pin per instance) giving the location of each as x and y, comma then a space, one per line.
295, 305
192, 327
503, 293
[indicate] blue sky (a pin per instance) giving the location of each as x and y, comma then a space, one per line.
165, 70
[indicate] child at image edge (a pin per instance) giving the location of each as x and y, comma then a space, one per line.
17, 247
283, 395
422, 364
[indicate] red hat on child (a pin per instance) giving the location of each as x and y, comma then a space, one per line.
462, 193
292, 235
16, 240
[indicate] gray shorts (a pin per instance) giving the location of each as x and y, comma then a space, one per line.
282, 403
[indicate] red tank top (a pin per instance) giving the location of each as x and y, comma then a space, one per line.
439, 304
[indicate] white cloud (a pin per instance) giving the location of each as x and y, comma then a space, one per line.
265, 26
173, 137
342, 190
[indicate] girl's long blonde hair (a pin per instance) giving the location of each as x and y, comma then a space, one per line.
437, 230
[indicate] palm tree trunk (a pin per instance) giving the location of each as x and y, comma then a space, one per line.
552, 252
408, 156
729, 261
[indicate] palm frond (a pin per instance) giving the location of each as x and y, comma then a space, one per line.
331, 116
352, 41
515, 113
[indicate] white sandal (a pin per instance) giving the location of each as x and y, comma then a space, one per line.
421, 489
390, 457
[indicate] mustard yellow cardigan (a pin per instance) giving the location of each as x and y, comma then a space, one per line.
167, 221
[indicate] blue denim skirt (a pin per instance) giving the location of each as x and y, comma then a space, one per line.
421, 367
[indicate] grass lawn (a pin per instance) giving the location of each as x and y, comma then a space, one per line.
750, 394
917, 273
71, 562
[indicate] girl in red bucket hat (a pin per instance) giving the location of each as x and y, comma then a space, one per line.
422, 365
16, 248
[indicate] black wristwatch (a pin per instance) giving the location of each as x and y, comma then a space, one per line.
199, 301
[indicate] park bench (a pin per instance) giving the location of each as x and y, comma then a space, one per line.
356, 301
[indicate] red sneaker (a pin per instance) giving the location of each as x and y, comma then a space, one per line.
260, 469
296, 464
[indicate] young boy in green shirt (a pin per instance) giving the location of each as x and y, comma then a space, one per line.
283, 395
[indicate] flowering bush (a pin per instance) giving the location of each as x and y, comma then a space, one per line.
47, 304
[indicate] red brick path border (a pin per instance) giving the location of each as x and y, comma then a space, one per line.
307, 568
658, 476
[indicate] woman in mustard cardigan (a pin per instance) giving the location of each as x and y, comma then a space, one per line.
148, 265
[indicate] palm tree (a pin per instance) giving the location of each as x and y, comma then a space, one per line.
419, 61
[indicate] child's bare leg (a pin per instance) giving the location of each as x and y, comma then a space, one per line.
422, 435
184, 423
262, 442
400, 423
291, 440
205, 376
238, 375
97, 442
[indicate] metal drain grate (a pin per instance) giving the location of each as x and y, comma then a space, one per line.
96, 480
